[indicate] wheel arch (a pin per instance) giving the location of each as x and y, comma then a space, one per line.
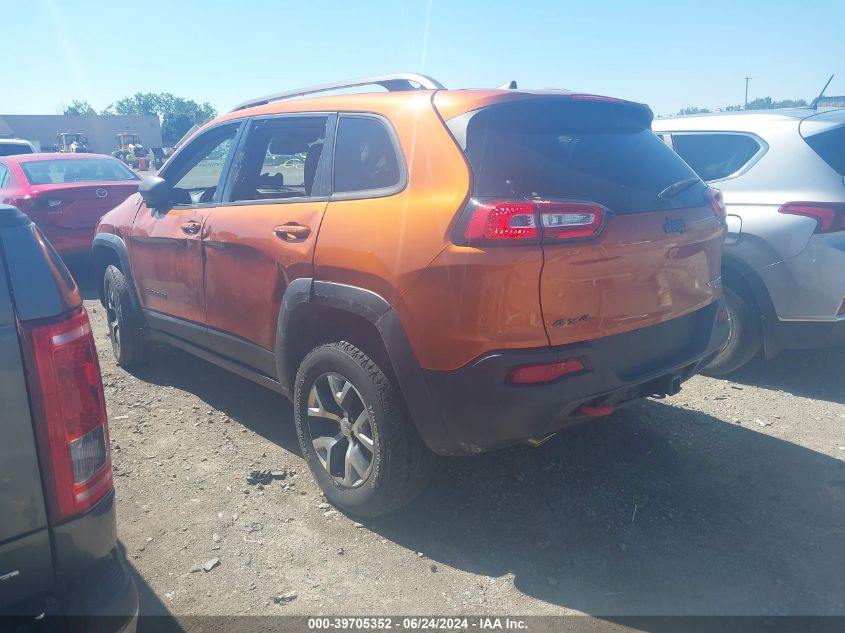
315, 312
743, 280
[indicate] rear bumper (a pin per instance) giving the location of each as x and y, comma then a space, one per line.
480, 411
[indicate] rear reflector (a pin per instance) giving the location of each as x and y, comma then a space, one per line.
544, 372
69, 410
503, 221
717, 203
595, 410
829, 216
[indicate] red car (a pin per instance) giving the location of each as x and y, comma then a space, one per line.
65, 194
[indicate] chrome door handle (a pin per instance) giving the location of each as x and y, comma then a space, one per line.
292, 232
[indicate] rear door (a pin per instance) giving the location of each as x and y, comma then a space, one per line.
262, 236
646, 258
25, 553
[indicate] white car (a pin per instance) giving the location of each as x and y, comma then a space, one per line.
11, 146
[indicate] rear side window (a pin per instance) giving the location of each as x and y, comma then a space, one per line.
830, 145
9, 149
578, 150
716, 156
365, 157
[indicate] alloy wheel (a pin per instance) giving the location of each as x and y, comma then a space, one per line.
341, 429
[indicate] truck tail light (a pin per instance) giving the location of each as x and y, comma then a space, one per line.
544, 372
69, 412
528, 221
829, 216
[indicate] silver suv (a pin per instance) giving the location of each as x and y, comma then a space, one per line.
782, 174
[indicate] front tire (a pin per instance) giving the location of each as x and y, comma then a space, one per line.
123, 320
744, 337
355, 433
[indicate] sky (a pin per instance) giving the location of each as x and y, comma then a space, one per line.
667, 54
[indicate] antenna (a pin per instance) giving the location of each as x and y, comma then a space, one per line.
815, 103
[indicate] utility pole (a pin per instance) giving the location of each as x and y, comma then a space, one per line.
747, 79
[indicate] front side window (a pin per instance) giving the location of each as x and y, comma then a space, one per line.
716, 156
365, 156
195, 175
280, 159
68, 170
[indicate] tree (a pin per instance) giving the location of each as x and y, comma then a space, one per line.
693, 110
82, 108
177, 115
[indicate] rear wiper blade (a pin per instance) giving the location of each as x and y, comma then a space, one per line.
675, 188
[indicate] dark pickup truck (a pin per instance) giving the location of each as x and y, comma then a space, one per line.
60, 567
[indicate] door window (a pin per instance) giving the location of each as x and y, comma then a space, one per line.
716, 156
281, 158
195, 175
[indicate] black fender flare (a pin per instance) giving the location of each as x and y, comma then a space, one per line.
375, 309
115, 244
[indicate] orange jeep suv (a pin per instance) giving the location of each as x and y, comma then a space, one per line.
423, 270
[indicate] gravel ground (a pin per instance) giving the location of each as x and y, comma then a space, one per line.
728, 498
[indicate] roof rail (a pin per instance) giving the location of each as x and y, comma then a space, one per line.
393, 83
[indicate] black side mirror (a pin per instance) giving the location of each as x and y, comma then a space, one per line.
155, 191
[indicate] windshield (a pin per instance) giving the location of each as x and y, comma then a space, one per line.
10, 149
52, 172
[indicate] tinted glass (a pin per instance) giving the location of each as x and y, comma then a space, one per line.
9, 149
280, 159
715, 156
365, 157
4, 174
61, 170
599, 152
830, 146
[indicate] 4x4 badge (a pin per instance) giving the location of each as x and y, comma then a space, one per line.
674, 225
567, 322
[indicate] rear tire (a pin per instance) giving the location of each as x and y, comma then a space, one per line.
355, 432
744, 337
123, 320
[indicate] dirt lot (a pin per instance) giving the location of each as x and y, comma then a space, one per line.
726, 499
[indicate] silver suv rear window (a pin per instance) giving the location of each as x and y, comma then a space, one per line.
830, 145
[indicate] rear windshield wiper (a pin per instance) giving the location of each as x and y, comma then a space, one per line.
674, 189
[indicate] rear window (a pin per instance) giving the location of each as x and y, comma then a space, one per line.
365, 156
716, 156
54, 172
830, 146
592, 151
10, 149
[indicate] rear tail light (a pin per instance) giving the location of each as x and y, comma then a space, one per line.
829, 216
507, 221
70, 414
544, 372
717, 203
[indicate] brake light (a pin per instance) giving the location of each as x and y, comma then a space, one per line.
717, 203
829, 216
69, 410
544, 372
501, 221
